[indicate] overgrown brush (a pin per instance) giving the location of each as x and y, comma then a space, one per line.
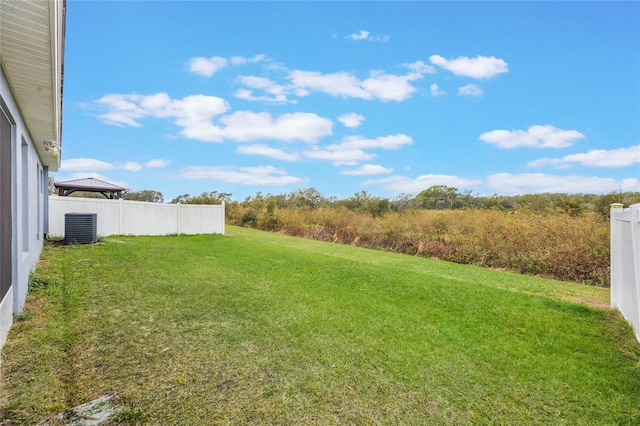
560, 245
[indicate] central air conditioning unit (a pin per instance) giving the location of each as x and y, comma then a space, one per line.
80, 228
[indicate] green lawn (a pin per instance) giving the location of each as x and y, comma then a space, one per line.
259, 328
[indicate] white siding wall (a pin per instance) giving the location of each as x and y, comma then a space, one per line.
28, 216
120, 217
27, 209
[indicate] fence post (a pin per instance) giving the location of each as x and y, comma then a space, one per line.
223, 217
635, 235
614, 253
120, 216
178, 218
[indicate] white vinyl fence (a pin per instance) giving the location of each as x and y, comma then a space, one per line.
625, 263
120, 217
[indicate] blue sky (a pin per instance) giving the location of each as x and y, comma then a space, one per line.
388, 97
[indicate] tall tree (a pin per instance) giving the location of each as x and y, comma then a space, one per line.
308, 197
439, 197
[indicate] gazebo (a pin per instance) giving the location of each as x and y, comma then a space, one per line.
107, 189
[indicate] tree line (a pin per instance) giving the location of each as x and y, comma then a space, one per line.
437, 197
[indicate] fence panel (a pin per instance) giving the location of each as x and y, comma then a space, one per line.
200, 219
120, 217
625, 263
140, 218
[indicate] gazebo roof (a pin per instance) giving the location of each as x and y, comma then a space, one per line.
107, 189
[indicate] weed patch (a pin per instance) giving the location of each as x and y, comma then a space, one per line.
37, 282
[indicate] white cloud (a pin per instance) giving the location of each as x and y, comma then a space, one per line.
132, 166
384, 142
532, 183
403, 184
195, 115
93, 165
389, 87
421, 68
621, 157
337, 84
206, 66
368, 169
351, 120
347, 157
351, 150
119, 119
85, 165
159, 105
537, 136
260, 175
204, 131
156, 163
248, 126
435, 90
127, 109
478, 67
121, 109
380, 86
239, 60
470, 90
363, 35
277, 92
629, 185
267, 151
196, 109
260, 83
248, 95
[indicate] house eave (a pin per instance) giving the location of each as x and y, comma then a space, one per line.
32, 58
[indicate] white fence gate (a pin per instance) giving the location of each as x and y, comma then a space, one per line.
625, 263
120, 217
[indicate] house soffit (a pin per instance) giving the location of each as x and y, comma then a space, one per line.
31, 54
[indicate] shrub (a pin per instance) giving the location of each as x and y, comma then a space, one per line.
561, 244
